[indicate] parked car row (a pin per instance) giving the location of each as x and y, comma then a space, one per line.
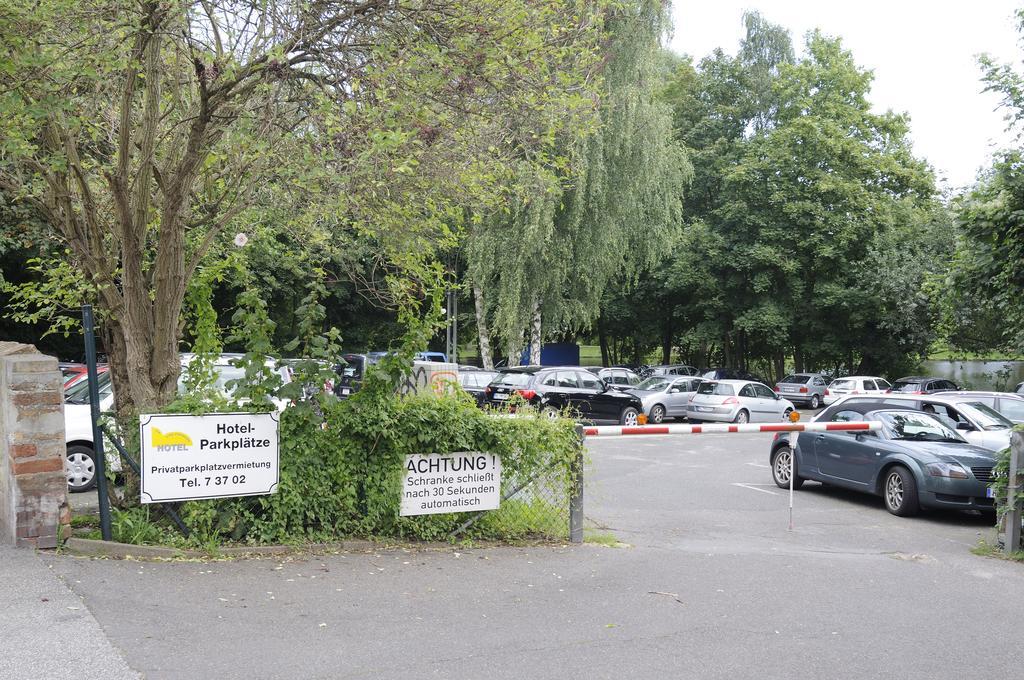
554, 389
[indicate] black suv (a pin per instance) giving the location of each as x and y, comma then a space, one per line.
553, 388
916, 384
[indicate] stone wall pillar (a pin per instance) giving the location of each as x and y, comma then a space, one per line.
34, 509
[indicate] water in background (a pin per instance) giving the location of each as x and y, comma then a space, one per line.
978, 375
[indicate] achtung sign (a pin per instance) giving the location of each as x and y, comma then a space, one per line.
218, 455
454, 482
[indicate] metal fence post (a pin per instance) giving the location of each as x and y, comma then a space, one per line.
576, 499
1012, 544
97, 435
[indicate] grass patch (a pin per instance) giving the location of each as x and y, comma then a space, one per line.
986, 549
605, 539
82, 521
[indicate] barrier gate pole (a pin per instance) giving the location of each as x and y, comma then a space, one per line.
792, 474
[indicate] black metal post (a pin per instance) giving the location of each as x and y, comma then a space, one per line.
97, 434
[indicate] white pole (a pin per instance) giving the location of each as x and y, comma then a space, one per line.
792, 474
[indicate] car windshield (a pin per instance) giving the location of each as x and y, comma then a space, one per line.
511, 379
899, 386
912, 425
843, 385
721, 389
653, 384
986, 416
798, 379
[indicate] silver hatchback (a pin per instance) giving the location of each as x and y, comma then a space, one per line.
737, 401
804, 388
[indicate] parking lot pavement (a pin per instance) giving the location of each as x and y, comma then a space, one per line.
712, 585
47, 631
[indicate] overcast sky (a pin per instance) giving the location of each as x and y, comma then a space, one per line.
923, 55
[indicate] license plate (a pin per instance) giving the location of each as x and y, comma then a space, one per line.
499, 396
345, 390
788, 389
705, 408
989, 493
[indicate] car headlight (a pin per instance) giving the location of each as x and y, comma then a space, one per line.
951, 470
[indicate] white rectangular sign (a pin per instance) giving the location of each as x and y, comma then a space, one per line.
454, 482
217, 455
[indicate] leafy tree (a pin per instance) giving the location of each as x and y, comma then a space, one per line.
804, 206
141, 131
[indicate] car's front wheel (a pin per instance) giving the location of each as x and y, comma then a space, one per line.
786, 414
629, 416
783, 464
549, 412
657, 414
900, 492
81, 468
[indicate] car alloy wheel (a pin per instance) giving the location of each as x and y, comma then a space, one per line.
81, 468
657, 414
549, 412
787, 414
629, 417
900, 492
742, 417
815, 401
782, 468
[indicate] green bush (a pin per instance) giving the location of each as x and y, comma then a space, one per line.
341, 469
1000, 477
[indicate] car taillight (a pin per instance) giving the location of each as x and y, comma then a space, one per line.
803, 390
776, 388
731, 400
526, 394
827, 393
487, 390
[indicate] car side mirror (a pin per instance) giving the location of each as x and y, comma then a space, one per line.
963, 426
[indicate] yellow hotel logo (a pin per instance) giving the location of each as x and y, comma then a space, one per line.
170, 439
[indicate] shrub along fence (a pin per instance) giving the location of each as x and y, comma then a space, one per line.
341, 475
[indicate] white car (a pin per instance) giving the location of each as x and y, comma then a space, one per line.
974, 420
81, 457
737, 401
854, 384
665, 397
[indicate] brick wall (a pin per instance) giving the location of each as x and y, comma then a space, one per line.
34, 507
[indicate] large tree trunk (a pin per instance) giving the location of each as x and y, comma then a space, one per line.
482, 330
602, 339
667, 333
535, 335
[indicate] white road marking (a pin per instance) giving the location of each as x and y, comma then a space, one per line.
760, 465
754, 488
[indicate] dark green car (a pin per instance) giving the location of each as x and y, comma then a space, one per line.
915, 460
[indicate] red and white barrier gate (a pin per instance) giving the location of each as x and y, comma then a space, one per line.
619, 430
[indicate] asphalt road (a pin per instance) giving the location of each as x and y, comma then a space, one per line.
712, 584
